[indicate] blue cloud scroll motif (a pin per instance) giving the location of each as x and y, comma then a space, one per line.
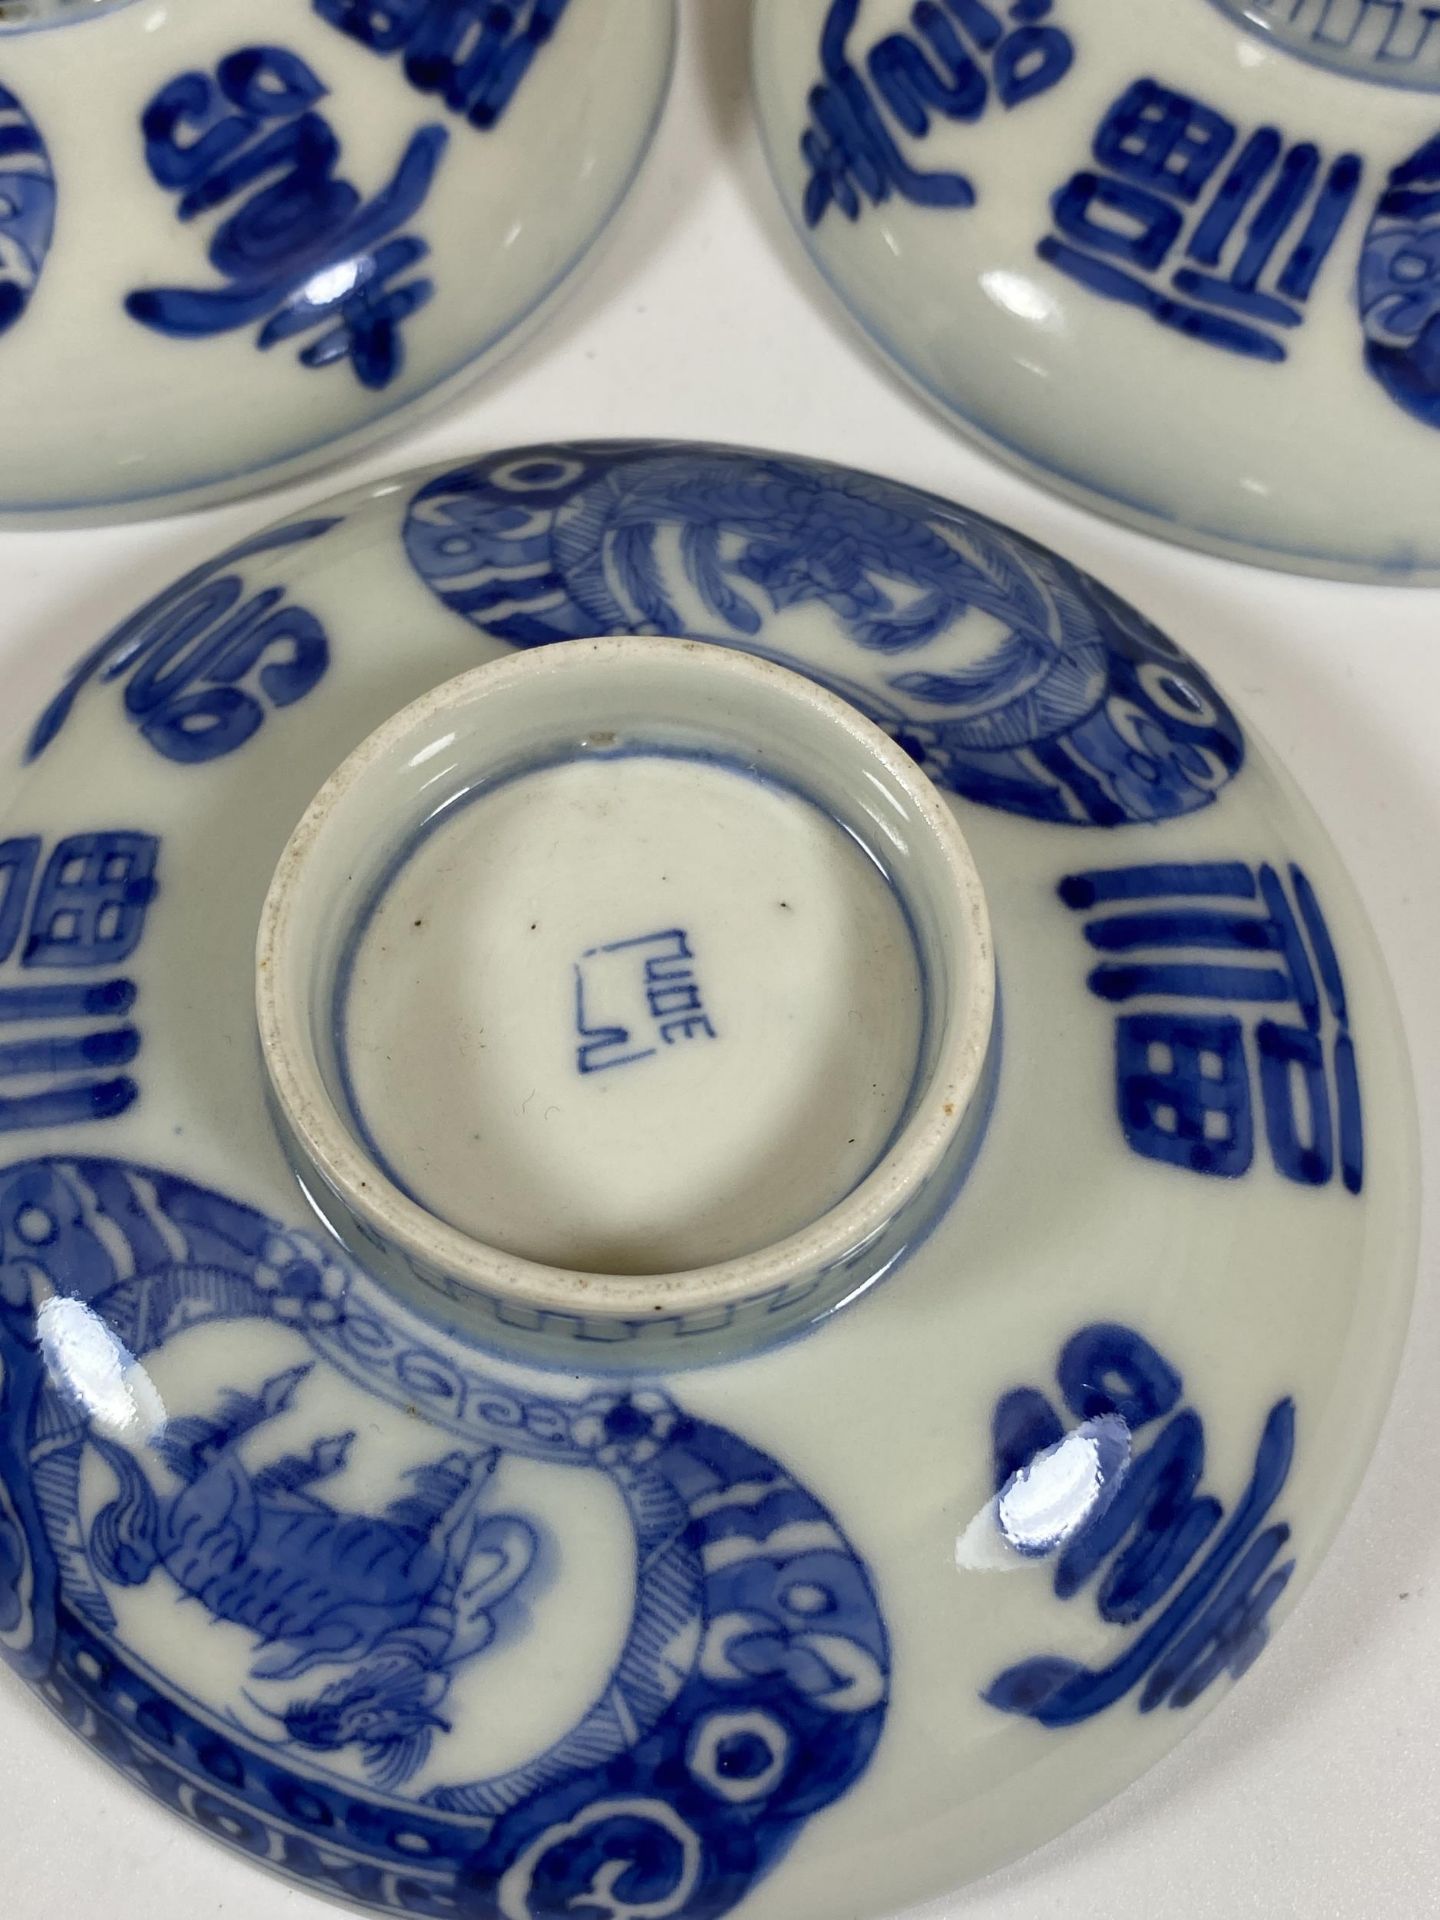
27, 208
1399, 286
351, 1630
1013, 678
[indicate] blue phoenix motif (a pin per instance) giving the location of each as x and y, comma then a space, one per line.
27, 208
474, 53
749, 1693
1399, 286
1033, 688
945, 67
1198, 1585
301, 251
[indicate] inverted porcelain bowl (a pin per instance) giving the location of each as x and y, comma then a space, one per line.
1180, 262
709, 1192
242, 238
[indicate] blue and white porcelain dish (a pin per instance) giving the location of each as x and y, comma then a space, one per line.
1180, 262
242, 238
427, 928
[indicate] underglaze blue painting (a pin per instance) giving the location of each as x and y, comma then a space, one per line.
634, 998
1195, 1583
207, 660
1012, 678
27, 208
364, 1580
1217, 964
1394, 40
958, 57
298, 250
1218, 237
1399, 286
70, 915
474, 53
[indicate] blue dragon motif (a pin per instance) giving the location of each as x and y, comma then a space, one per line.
1033, 688
401, 1600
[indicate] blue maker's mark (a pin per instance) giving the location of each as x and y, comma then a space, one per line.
301, 251
63, 1039
474, 53
636, 991
957, 51
1199, 1587
1182, 1073
1157, 153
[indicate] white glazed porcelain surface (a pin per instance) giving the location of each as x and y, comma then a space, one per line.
612, 1185
1261, 1291
538, 1119
1287, 412
195, 197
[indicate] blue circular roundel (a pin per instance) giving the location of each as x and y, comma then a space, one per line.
1013, 678
27, 208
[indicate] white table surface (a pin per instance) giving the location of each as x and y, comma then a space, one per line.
1315, 1789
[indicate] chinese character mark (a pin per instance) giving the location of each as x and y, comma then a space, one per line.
1198, 1586
957, 51
204, 662
1185, 939
301, 251
474, 53
63, 1040
1251, 249
667, 1006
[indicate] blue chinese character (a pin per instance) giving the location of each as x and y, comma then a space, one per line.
1183, 1072
474, 53
1160, 152
87, 914
302, 249
944, 68
201, 662
92, 900
1198, 1586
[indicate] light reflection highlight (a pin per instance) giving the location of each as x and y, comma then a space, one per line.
88, 1364
1045, 1505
